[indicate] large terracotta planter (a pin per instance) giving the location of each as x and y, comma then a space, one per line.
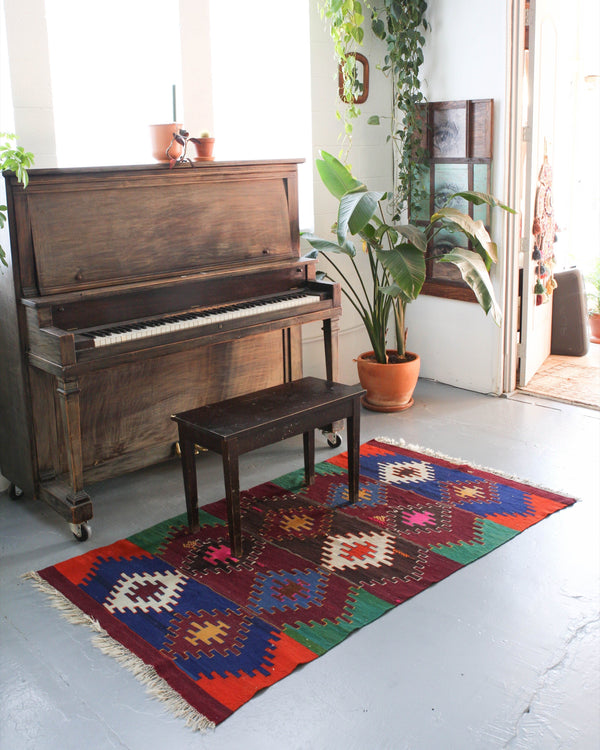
595, 328
389, 387
161, 136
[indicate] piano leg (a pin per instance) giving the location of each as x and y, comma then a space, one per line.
71, 501
292, 354
331, 329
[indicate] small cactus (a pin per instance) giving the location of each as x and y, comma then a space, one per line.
205, 134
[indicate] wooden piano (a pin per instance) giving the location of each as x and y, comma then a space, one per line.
136, 292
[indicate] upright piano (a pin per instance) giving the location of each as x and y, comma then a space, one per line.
133, 293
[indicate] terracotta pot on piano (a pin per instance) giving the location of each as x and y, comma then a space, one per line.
161, 137
204, 148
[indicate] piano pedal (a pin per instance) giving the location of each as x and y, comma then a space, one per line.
197, 449
334, 439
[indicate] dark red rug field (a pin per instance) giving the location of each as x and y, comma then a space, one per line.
206, 631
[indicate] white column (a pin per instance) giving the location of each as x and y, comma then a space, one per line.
29, 64
196, 65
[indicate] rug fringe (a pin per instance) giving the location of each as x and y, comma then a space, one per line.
401, 443
155, 685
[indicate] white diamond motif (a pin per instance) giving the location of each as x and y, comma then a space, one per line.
142, 592
363, 550
407, 472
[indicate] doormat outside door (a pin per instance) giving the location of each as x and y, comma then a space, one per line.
205, 631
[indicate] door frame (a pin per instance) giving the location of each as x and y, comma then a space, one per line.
515, 156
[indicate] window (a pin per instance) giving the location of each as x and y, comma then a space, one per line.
113, 66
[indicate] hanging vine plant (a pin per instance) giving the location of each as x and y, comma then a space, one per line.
399, 24
346, 18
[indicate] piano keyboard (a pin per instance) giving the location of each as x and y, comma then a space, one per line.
128, 332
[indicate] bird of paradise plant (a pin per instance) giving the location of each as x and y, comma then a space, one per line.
396, 254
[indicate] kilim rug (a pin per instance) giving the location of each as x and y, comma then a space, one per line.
205, 631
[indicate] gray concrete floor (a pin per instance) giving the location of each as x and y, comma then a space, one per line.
504, 653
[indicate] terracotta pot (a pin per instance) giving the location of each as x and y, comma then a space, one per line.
389, 387
204, 148
595, 328
161, 136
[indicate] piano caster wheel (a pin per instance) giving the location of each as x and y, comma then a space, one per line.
81, 531
333, 439
14, 492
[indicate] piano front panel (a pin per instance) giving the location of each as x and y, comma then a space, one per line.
125, 410
88, 234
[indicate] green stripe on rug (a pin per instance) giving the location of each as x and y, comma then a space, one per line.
489, 536
295, 479
361, 610
153, 538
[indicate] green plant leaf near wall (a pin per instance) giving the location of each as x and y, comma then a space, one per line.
17, 160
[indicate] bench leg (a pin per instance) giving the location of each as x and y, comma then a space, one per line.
188, 463
231, 474
353, 425
309, 456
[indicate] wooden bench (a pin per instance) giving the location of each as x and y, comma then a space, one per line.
254, 420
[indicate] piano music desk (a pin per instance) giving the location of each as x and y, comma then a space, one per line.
241, 424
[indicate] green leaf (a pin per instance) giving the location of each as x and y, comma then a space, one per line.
406, 265
373, 120
392, 290
414, 235
479, 199
474, 273
378, 28
356, 211
454, 219
336, 177
326, 246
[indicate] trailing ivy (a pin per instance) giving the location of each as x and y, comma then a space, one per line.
399, 24
345, 19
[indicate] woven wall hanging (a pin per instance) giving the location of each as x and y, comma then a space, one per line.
544, 232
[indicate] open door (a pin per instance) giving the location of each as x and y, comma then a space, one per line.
537, 231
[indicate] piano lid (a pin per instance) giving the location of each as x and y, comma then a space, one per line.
106, 226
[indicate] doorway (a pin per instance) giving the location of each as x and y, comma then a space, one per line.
556, 115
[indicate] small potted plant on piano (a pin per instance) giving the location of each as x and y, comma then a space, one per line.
204, 146
395, 260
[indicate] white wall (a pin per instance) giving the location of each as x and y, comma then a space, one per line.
465, 58
371, 161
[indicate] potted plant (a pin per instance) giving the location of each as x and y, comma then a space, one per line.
395, 258
204, 146
593, 297
18, 160
165, 141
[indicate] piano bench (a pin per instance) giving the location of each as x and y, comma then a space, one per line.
241, 424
